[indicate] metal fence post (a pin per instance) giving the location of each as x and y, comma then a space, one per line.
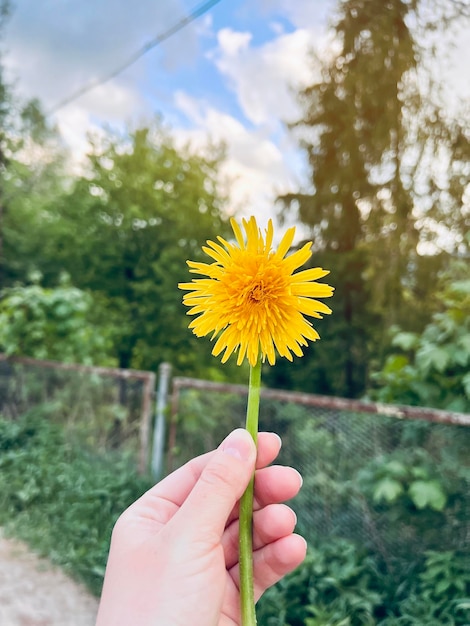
158, 444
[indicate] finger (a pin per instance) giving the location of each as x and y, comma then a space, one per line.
269, 445
162, 501
277, 559
273, 484
221, 483
276, 483
269, 524
274, 561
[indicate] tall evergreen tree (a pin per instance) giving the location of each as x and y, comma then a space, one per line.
377, 192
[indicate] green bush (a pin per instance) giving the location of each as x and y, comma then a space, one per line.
61, 499
438, 594
432, 368
63, 324
339, 584
64, 501
335, 585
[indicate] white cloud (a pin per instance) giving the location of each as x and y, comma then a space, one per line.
265, 78
55, 48
255, 166
112, 101
301, 12
232, 43
77, 121
74, 124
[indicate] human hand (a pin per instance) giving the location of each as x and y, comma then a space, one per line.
173, 559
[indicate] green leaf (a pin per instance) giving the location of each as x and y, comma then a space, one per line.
420, 472
431, 356
396, 469
461, 356
395, 363
457, 405
428, 494
405, 341
462, 286
387, 489
442, 586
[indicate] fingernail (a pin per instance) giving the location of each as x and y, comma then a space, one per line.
300, 477
239, 444
295, 517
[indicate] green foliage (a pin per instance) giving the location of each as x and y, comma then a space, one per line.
29, 188
339, 585
372, 131
380, 497
334, 586
401, 475
439, 595
384, 507
62, 499
124, 232
32, 163
432, 368
416, 493
57, 324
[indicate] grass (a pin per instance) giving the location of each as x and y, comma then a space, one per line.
62, 499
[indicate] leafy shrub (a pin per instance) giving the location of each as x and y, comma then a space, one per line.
432, 369
334, 586
61, 499
63, 324
411, 491
339, 584
439, 595
395, 491
410, 571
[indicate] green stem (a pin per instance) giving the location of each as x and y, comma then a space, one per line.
247, 597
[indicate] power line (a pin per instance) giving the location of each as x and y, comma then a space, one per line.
197, 12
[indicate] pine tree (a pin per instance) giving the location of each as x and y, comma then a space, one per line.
374, 136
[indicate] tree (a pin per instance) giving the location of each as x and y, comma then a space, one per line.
34, 178
124, 232
373, 137
31, 161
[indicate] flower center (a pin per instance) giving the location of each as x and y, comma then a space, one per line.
257, 292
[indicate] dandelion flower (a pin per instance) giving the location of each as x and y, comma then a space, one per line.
251, 300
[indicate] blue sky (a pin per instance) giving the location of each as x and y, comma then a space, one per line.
231, 76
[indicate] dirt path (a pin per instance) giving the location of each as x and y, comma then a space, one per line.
35, 593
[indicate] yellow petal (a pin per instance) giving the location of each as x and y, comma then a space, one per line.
250, 300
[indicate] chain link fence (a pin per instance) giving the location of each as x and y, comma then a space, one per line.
108, 410
394, 479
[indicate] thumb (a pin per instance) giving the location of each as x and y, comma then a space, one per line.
221, 484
